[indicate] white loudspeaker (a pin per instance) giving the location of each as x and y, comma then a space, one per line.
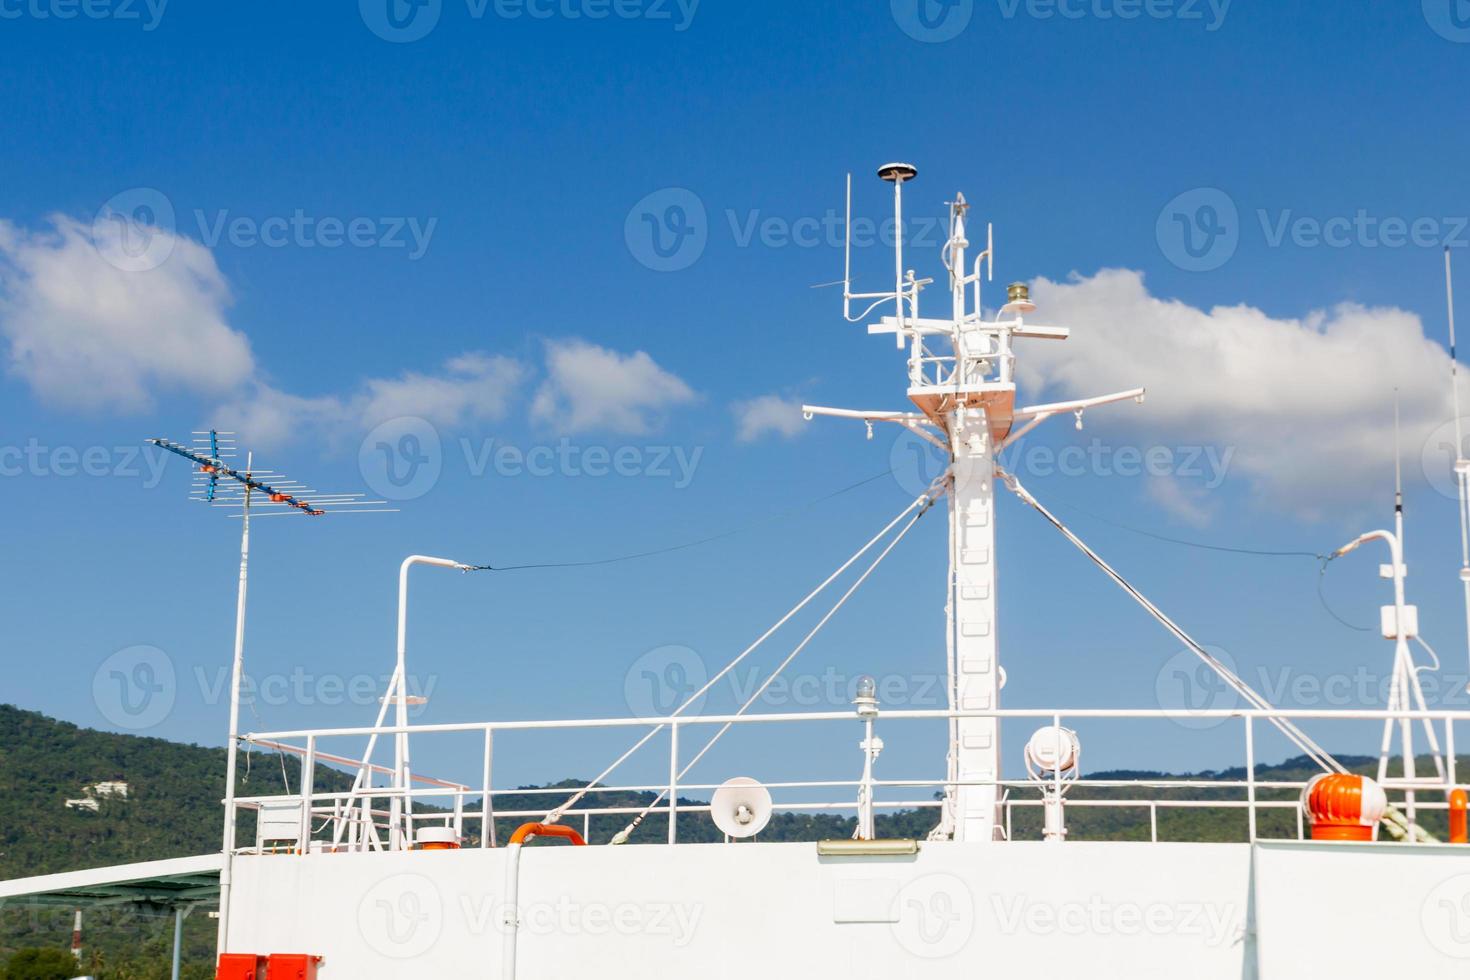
741, 807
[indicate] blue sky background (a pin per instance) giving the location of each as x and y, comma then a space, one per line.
534, 144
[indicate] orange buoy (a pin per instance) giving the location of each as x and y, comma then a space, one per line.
1459, 804
1344, 807
437, 839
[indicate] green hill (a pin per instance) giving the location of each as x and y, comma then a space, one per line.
173, 810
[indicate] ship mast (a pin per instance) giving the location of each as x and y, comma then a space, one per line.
961, 378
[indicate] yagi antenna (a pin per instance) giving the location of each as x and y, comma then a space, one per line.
219, 484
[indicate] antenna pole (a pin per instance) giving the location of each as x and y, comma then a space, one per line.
898, 250
237, 672
1449, 295
220, 485
847, 255
1398, 472
1462, 465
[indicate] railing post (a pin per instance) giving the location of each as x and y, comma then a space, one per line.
1056, 776
673, 781
1449, 748
308, 781
1250, 774
487, 809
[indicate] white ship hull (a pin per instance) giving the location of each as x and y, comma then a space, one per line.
728, 912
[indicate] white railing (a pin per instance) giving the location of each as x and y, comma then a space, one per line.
363, 819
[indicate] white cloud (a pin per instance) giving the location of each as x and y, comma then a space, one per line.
1307, 403
591, 388
83, 333
764, 414
1185, 502
473, 387
90, 326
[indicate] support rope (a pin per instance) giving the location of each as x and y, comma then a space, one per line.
1314, 751
1394, 820
923, 500
623, 835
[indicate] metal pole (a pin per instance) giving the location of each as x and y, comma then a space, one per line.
487, 822
1250, 774
673, 782
226, 874
865, 788
178, 939
401, 835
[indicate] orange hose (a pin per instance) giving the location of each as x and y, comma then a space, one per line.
1459, 803
528, 830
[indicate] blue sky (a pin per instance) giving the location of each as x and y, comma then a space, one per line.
343, 225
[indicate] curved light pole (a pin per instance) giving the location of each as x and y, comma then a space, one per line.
402, 806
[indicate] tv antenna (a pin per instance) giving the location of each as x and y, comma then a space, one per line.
219, 484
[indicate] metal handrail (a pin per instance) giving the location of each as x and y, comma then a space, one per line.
352, 811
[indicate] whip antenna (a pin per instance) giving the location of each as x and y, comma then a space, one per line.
1462, 465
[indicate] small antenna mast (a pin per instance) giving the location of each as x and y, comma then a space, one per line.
847, 254
1398, 467
896, 174
1462, 465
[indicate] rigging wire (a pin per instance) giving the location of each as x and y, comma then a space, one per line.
1290, 730
923, 500
1398, 825
772, 518
1325, 559
1322, 598
627, 831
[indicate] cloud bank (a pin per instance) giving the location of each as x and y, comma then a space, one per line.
1307, 402
89, 326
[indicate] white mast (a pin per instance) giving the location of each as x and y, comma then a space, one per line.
966, 392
